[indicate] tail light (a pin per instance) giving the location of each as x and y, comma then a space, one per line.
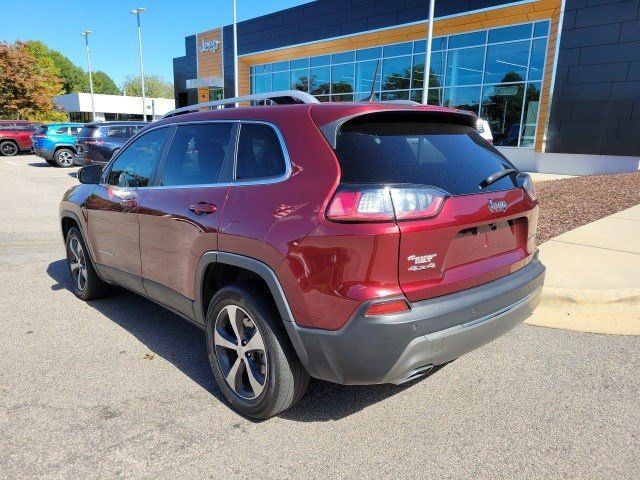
387, 308
94, 142
525, 181
368, 203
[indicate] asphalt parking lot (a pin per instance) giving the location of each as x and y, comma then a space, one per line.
122, 388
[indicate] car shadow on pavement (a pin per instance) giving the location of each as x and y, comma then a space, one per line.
183, 344
40, 164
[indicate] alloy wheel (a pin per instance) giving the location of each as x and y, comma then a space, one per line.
240, 352
65, 158
77, 263
9, 149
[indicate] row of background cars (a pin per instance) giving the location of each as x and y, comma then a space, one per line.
67, 144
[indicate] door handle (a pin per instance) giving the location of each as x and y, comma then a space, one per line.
203, 207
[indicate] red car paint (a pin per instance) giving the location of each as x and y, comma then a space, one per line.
18, 132
326, 269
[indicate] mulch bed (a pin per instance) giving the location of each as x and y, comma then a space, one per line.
569, 203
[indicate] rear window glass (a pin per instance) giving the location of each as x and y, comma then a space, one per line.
87, 132
41, 130
454, 158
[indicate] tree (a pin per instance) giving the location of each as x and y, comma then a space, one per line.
27, 83
73, 78
103, 83
154, 85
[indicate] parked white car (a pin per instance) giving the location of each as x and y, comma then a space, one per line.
484, 130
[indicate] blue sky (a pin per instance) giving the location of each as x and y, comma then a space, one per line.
58, 23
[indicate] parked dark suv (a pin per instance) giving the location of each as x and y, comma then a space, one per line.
358, 243
97, 142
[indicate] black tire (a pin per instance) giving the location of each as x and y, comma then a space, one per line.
90, 286
9, 148
63, 157
285, 380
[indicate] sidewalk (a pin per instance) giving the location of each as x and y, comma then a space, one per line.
593, 277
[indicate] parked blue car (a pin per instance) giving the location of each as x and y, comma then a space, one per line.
56, 143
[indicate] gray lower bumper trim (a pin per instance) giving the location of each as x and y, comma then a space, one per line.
392, 348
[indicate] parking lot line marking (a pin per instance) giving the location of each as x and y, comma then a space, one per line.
12, 163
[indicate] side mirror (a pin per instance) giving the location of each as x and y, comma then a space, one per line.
90, 174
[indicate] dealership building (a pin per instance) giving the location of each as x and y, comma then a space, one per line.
557, 80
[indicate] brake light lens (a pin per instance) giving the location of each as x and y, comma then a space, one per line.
387, 308
94, 142
367, 203
525, 181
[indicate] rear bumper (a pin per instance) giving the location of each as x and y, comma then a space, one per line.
43, 152
82, 159
397, 348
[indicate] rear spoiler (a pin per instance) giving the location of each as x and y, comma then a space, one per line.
458, 117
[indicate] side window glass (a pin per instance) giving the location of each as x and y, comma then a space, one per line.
75, 130
62, 131
117, 132
135, 165
260, 154
197, 154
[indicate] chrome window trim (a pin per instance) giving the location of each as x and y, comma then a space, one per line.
262, 181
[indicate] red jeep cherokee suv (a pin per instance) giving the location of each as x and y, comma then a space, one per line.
358, 243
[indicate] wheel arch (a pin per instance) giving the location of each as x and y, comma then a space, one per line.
64, 145
69, 219
261, 271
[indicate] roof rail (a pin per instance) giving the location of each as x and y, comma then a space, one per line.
283, 97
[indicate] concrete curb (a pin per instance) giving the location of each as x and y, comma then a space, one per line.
626, 296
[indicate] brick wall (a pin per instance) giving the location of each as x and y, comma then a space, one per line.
596, 103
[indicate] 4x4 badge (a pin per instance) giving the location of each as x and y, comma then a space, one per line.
421, 262
499, 206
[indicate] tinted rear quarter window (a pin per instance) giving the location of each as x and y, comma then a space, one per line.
392, 150
260, 154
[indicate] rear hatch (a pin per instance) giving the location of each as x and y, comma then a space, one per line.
88, 136
472, 232
38, 136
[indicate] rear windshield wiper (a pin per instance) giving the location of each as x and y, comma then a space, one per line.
494, 177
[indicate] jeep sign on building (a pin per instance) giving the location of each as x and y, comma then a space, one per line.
557, 80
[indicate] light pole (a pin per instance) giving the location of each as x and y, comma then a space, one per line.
86, 34
235, 51
137, 12
427, 61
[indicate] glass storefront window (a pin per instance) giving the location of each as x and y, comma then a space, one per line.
468, 39
508, 34
300, 79
300, 63
538, 54
396, 73
495, 72
530, 116
502, 108
319, 81
365, 71
464, 98
437, 76
395, 95
465, 66
342, 78
398, 49
369, 53
507, 62
343, 57
280, 81
541, 29
280, 66
320, 61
